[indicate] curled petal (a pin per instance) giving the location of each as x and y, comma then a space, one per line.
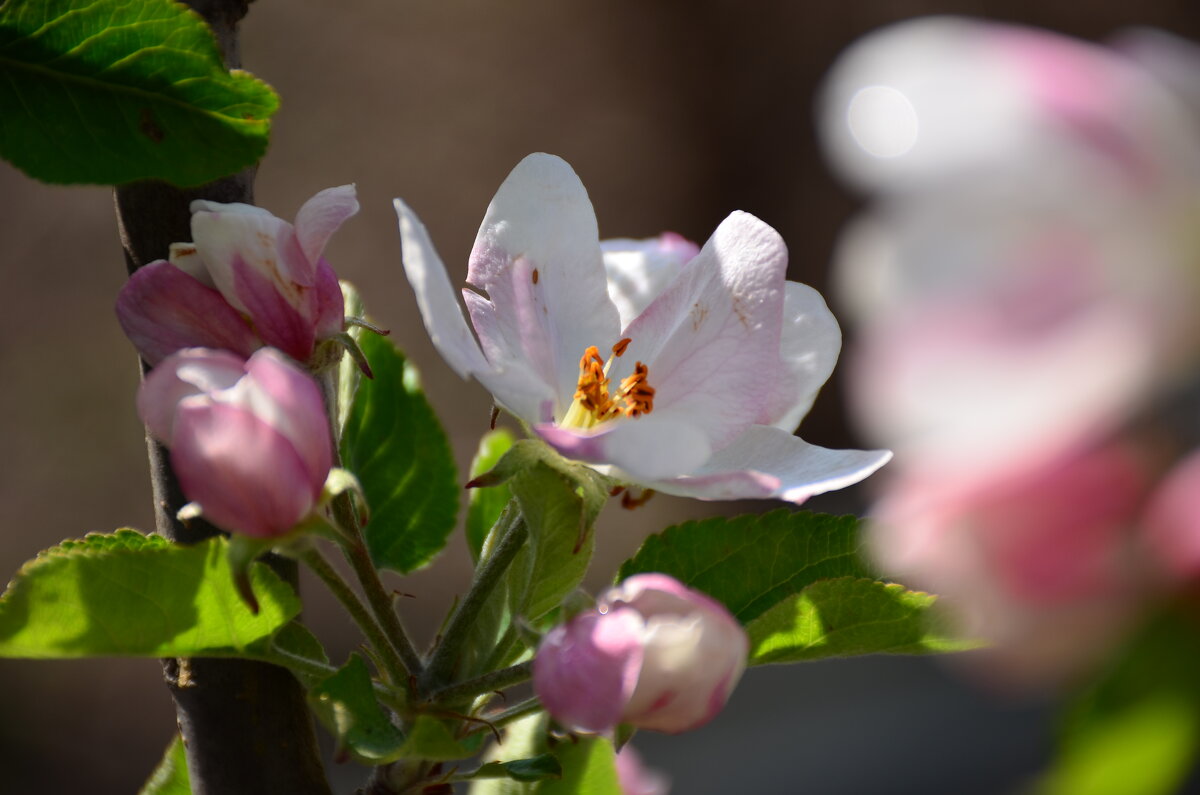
808, 349
162, 310
276, 319
766, 456
188, 372
321, 216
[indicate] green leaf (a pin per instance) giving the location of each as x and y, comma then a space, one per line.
589, 767
486, 503
393, 442
171, 775
753, 562
534, 769
134, 595
345, 702
523, 738
560, 512
1137, 730
349, 375
844, 617
109, 91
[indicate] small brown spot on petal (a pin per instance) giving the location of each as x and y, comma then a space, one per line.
535, 276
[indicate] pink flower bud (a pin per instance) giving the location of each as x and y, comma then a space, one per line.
247, 279
653, 653
1173, 520
249, 440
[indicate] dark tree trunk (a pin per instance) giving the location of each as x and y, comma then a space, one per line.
246, 725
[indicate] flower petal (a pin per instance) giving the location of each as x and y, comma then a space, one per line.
331, 304
435, 297
711, 339
276, 320
808, 349
586, 669
162, 310
768, 456
638, 270
242, 472
646, 448
192, 371
264, 242
537, 258
321, 216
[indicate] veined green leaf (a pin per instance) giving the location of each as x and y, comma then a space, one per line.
133, 595
486, 502
393, 442
345, 702
751, 563
109, 91
847, 616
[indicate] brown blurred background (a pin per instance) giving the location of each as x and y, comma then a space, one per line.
673, 114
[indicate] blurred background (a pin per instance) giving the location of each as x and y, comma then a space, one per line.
673, 114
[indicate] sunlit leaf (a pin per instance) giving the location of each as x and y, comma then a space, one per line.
171, 775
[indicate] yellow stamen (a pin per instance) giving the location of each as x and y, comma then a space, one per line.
593, 404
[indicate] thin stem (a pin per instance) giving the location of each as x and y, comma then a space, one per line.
394, 668
368, 576
513, 713
496, 680
487, 576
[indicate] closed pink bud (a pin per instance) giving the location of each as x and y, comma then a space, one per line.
247, 279
653, 653
249, 439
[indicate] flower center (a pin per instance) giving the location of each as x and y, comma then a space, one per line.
593, 404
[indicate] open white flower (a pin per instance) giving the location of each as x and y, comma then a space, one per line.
696, 394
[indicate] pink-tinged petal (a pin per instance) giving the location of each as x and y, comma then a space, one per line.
637, 779
321, 216
1173, 520
193, 371
646, 448
638, 270
162, 310
331, 304
537, 257
245, 475
808, 349
185, 257
435, 297
275, 319
265, 243
289, 400
228, 208
586, 669
711, 339
765, 455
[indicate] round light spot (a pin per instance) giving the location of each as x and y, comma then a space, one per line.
882, 121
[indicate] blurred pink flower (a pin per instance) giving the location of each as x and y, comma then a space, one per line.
653, 653
249, 440
637, 779
248, 279
712, 357
1173, 523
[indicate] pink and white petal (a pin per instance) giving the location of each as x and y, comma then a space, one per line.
537, 257
246, 476
1173, 520
638, 270
289, 400
647, 449
162, 310
185, 257
711, 339
321, 216
193, 371
586, 669
265, 243
435, 297
277, 320
230, 208
766, 455
331, 304
808, 349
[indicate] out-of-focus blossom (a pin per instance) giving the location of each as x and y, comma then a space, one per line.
1174, 520
1043, 564
637, 779
246, 280
249, 440
679, 370
653, 653
1027, 277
